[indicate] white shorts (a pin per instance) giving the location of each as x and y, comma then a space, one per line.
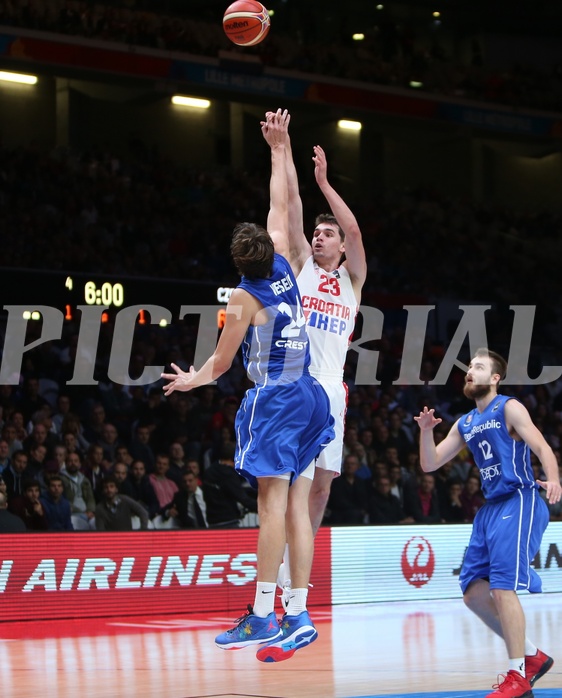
308, 473
331, 457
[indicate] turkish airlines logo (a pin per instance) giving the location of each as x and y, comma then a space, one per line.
75, 574
418, 561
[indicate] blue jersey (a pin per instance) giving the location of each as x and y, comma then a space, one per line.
278, 348
504, 463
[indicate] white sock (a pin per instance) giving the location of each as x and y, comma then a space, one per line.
530, 649
517, 665
264, 601
284, 572
297, 601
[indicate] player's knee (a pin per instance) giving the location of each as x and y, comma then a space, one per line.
320, 492
470, 597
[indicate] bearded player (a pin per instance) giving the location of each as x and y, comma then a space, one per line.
507, 530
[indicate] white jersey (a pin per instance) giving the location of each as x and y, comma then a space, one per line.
330, 308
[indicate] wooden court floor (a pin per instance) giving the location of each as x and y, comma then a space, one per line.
432, 649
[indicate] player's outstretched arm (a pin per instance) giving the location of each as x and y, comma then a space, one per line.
275, 131
299, 247
355, 259
433, 457
240, 310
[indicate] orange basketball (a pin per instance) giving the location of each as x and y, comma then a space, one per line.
246, 22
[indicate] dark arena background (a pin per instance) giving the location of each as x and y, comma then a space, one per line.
130, 146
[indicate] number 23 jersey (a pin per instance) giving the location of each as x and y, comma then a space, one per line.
504, 463
330, 307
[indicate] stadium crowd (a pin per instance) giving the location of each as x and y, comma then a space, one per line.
393, 54
86, 456
111, 457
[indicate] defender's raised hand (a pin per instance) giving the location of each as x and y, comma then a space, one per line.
427, 419
180, 380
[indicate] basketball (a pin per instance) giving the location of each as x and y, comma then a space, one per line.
246, 22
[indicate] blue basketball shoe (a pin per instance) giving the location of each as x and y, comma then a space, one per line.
298, 632
250, 630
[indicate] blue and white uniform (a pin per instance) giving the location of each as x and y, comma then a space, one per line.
507, 530
284, 421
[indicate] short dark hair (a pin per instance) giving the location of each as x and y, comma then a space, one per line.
332, 220
252, 251
499, 364
28, 484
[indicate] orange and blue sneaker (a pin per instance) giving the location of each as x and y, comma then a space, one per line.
537, 666
250, 630
298, 632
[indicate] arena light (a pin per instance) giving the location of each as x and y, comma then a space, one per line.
18, 77
358, 37
416, 84
347, 125
437, 14
191, 102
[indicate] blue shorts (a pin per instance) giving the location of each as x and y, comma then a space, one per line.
505, 538
281, 428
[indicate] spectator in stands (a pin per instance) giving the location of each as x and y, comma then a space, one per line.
18, 420
72, 423
188, 506
36, 460
164, 487
123, 455
93, 468
120, 474
51, 467
110, 442
364, 472
471, 497
138, 486
383, 507
30, 400
56, 505
95, 423
62, 409
141, 448
9, 523
421, 502
192, 464
177, 462
58, 460
398, 483
29, 507
70, 442
78, 491
451, 507
40, 436
115, 512
366, 439
9, 434
226, 497
15, 476
347, 503
399, 437
181, 426
4, 455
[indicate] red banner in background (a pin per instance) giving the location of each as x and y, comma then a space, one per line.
104, 574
